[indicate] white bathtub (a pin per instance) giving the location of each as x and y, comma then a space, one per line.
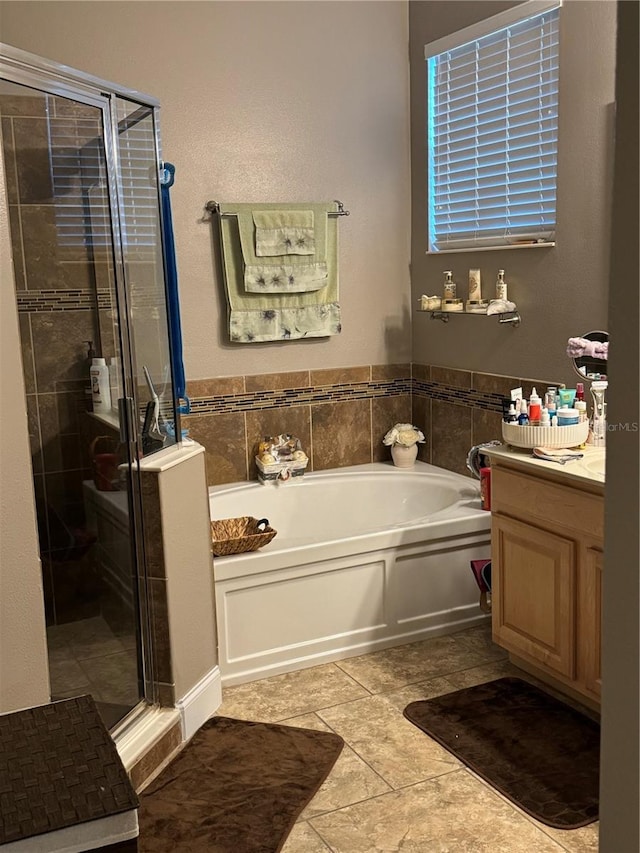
365, 558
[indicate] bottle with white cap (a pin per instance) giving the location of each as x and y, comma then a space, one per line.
535, 407
100, 392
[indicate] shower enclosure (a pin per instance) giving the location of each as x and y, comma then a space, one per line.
82, 168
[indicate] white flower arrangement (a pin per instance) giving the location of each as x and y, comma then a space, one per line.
404, 434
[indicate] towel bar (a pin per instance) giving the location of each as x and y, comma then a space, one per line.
214, 207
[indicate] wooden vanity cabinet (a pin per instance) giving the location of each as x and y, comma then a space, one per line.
547, 541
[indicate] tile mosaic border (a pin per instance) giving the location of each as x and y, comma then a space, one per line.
460, 396
309, 395
38, 301
275, 398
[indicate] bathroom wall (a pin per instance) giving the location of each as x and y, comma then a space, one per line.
561, 291
263, 101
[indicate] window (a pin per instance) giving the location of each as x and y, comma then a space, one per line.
78, 171
492, 107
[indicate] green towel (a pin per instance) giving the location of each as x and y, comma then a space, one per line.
291, 273
259, 316
286, 232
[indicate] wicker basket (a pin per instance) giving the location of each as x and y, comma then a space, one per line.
239, 535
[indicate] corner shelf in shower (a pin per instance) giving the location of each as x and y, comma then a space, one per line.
109, 420
508, 318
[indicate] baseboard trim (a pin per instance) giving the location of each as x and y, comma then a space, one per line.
277, 664
200, 703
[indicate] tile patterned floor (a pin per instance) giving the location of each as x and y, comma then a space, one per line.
393, 789
87, 656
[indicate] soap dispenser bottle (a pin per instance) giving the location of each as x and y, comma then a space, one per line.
501, 286
449, 286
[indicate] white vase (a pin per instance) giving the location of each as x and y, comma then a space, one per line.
404, 457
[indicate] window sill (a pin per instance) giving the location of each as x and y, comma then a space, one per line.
490, 248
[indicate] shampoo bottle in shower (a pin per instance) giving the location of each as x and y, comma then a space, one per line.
100, 393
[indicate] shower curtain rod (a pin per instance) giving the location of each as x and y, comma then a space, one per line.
214, 207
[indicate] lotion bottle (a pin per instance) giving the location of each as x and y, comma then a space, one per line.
100, 393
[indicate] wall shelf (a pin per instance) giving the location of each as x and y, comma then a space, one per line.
508, 318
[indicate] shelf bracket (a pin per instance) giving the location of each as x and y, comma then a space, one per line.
511, 317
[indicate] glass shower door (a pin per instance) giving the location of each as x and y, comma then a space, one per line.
142, 251
71, 296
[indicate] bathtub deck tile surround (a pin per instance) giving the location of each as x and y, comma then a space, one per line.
454, 408
450, 435
385, 412
341, 434
485, 426
224, 438
448, 808
295, 420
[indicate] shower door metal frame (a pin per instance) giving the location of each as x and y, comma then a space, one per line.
21, 67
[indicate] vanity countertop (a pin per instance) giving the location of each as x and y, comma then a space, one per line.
587, 472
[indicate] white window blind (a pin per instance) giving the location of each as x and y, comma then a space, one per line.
83, 217
493, 137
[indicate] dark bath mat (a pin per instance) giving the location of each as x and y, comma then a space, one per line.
540, 753
237, 787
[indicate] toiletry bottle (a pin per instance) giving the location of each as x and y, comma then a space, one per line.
100, 393
523, 417
581, 407
550, 400
501, 286
545, 420
512, 415
535, 407
449, 286
475, 293
579, 391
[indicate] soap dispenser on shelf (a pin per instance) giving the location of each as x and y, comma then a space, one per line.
449, 300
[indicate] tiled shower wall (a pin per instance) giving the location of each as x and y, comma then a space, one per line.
341, 415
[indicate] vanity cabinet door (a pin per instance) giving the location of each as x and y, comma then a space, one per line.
533, 608
589, 637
